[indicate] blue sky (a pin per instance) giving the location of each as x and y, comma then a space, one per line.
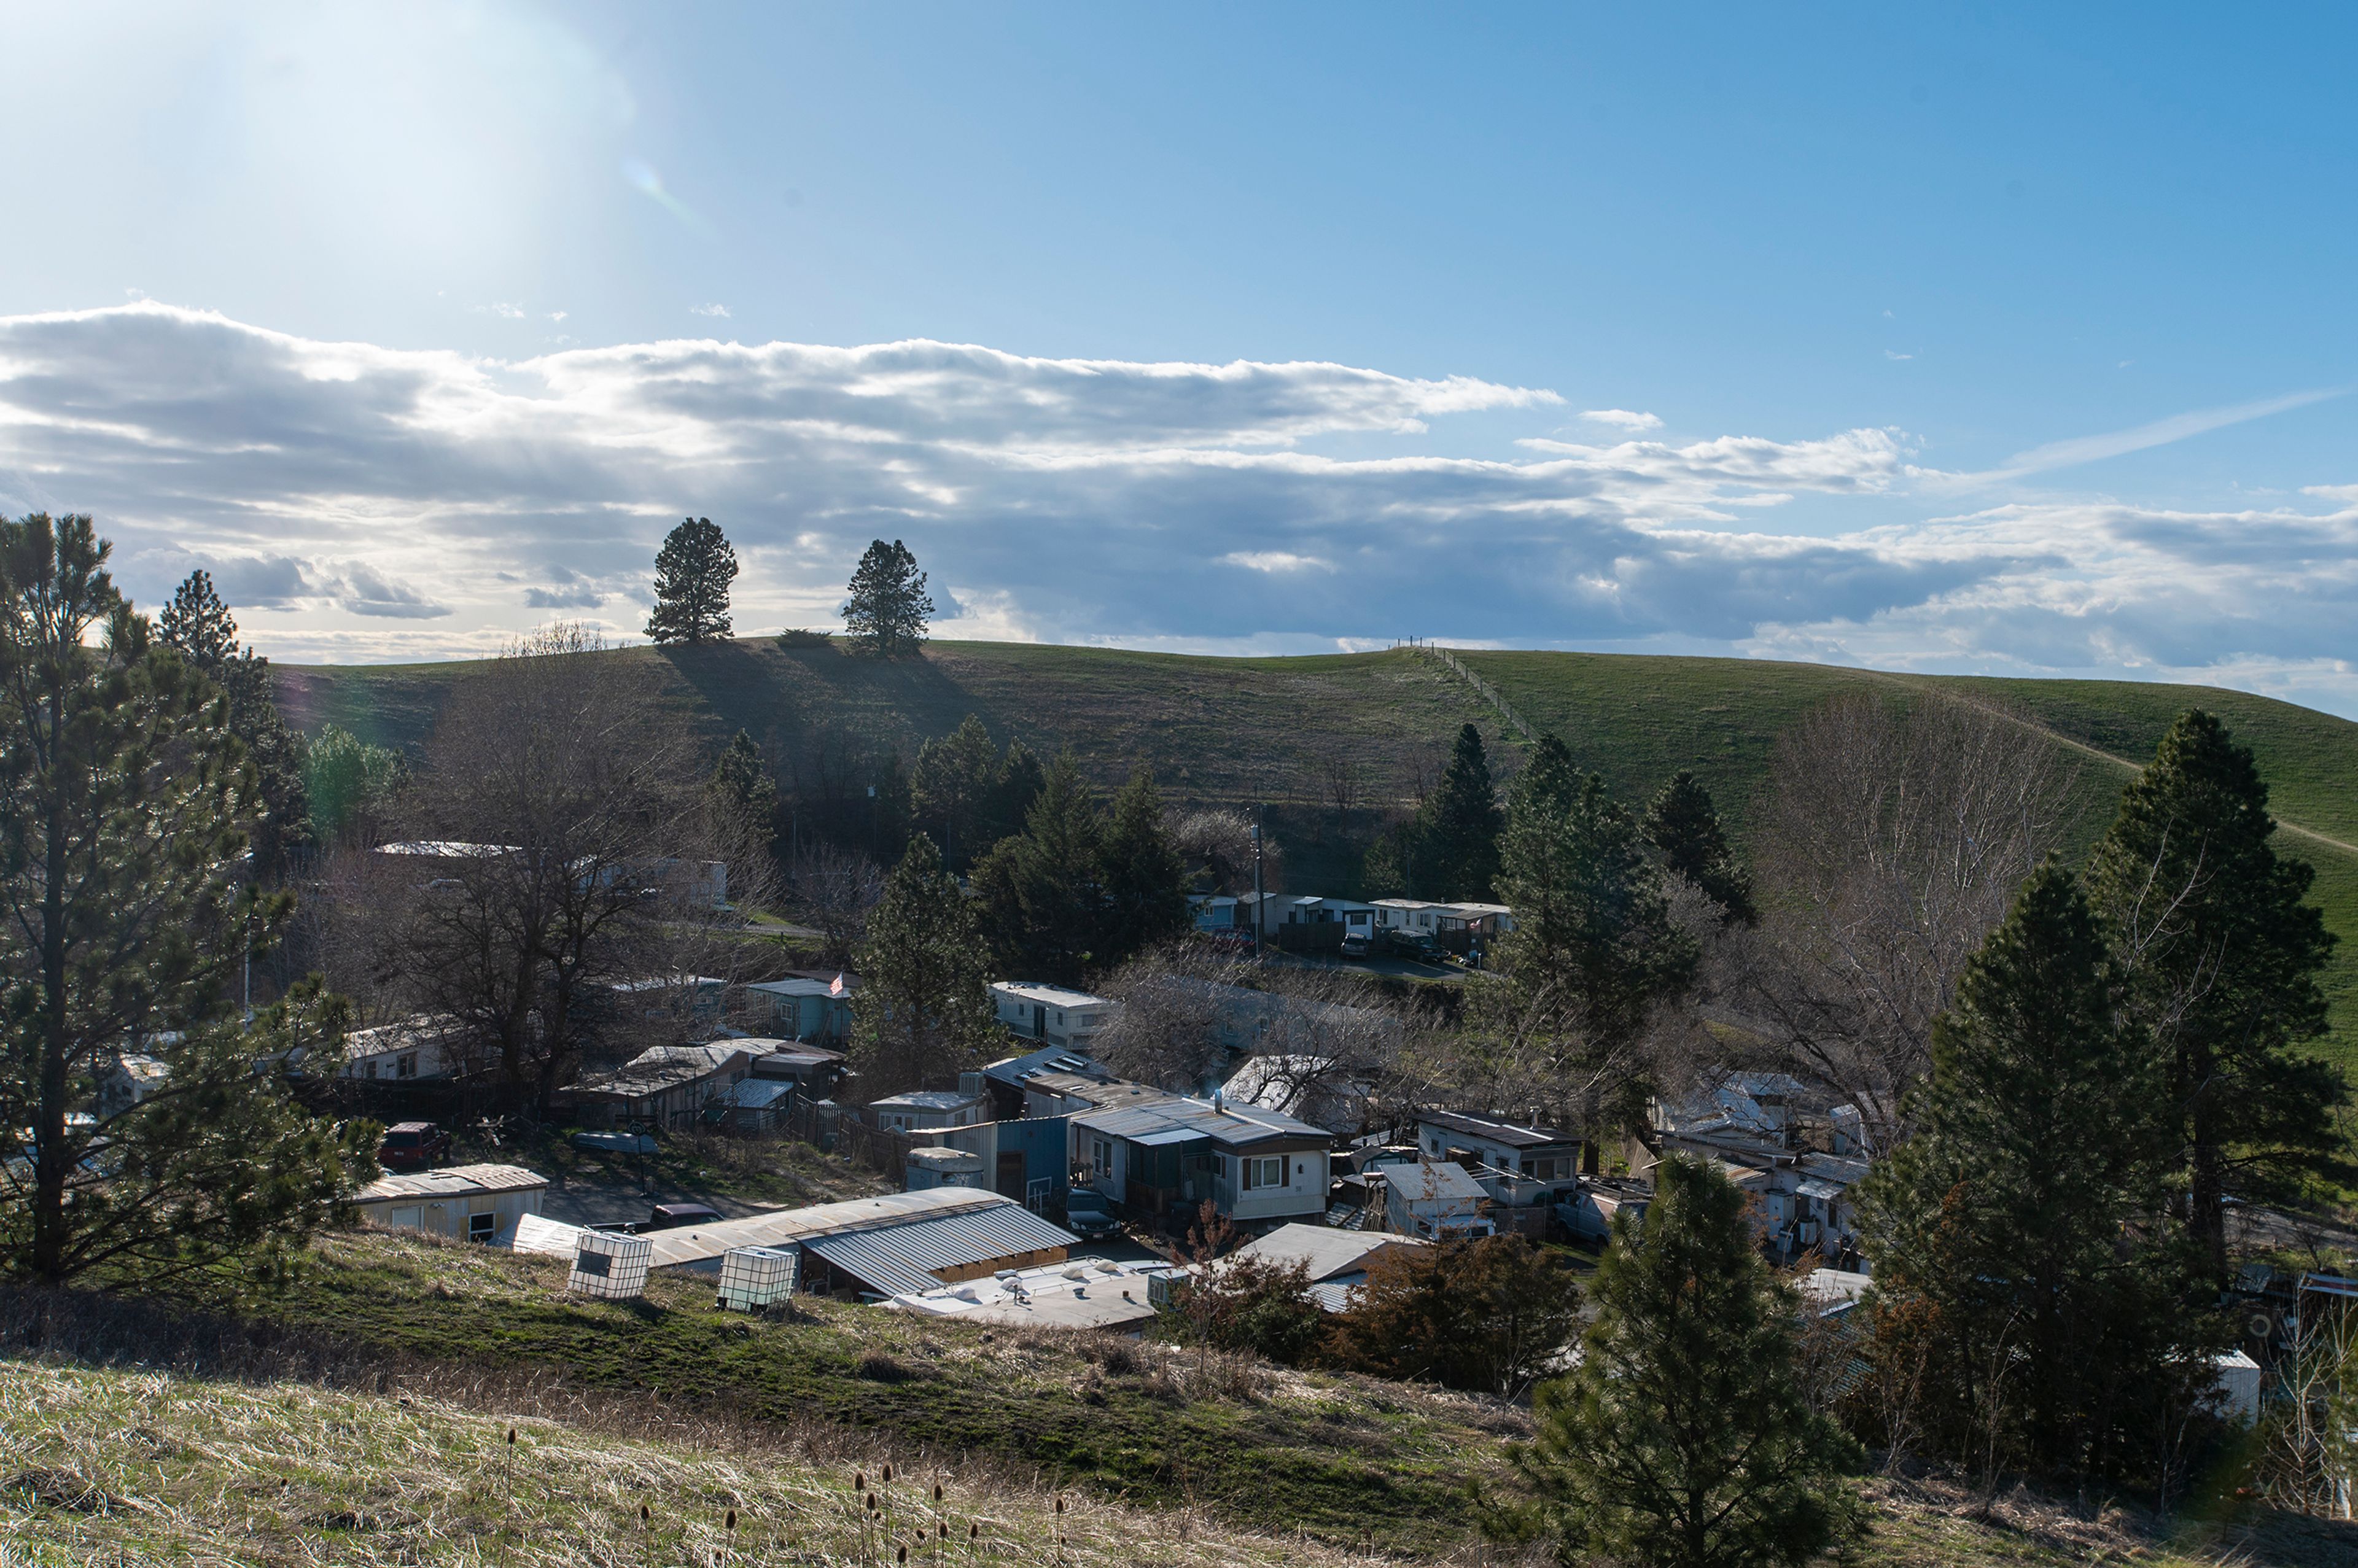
2011, 342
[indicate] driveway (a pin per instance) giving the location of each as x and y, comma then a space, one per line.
598, 1191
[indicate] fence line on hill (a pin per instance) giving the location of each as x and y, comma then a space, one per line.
1482, 688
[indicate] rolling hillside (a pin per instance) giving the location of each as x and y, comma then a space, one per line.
1218, 730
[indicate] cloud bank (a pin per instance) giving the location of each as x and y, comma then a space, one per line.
358, 501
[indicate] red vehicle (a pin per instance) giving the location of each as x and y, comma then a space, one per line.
412, 1146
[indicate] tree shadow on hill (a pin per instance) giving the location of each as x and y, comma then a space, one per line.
763, 688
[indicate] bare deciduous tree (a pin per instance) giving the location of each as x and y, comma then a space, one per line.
1322, 1042
1894, 839
1220, 843
832, 892
1340, 780
574, 851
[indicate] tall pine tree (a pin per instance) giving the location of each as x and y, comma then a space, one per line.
1042, 892
202, 629
924, 1014
1684, 824
693, 571
1594, 951
123, 800
888, 610
1145, 878
742, 779
2017, 1237
2221, 957
1682, 1440
952, 789
1457, 830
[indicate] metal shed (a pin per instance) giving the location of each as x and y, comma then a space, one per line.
926, 1254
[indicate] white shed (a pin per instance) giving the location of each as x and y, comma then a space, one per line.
466, 1203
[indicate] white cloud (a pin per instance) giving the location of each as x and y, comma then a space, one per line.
2161, 433
1621, 418
1275, 561
708, 310
360, 502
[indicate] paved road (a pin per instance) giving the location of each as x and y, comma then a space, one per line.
1403, 968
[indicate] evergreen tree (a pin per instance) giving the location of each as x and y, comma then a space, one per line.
128, 916
198, 626
888, 610
924, 1012
1594, 951
347, 780
1042, 892
1684, 824
2013, 1235
1491, 1314
693, 571
1682, 1439
2221, 957
1457, 830
1021, 780
743, 781
1144, 876
954, 790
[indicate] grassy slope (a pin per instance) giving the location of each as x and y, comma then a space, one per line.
288, 1473
282, 1451
1333, 1456
1228, 730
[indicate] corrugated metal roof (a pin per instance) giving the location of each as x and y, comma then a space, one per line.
1505, 1132
1191, 1117
788, 1226
451, 1180
898, 1259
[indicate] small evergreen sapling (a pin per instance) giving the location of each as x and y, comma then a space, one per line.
1682, 1439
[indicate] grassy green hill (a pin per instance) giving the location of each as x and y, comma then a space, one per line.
1218, 730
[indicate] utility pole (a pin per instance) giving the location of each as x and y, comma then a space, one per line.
1260, 823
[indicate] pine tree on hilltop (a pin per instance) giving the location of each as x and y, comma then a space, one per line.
2221, 957
693, 572
2017, 1228
1684, 824
1682, 1440
888, 611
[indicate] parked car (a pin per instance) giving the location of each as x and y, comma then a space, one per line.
1357, 944
1088, 1215
670, 1215
413, 1146
1404, 944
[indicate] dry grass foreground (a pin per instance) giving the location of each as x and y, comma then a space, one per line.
124, 1467
106, 1465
